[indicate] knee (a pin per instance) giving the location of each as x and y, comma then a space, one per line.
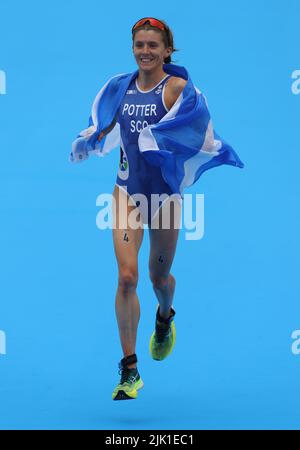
159, 281
128, 279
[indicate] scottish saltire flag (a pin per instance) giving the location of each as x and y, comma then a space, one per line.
183, 143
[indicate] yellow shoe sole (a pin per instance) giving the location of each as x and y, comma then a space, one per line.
124, 393
157, 357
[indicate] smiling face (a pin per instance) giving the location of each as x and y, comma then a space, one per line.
149, 49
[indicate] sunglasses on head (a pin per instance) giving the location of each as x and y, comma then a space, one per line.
153, 22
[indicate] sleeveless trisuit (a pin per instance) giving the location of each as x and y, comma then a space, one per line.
138, 110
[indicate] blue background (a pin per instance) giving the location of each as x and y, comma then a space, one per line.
237, 297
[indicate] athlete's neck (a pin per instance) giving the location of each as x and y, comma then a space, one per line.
146, 80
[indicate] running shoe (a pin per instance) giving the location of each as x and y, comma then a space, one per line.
163, 338
130, 381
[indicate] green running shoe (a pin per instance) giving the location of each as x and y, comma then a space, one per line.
130, 381
163, 338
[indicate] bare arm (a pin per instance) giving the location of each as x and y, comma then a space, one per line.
174, 88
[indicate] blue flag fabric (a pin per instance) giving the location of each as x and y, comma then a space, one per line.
183, 143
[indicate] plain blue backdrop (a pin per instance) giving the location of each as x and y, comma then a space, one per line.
237, 297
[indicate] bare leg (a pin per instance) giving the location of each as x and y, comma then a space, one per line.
162, 251
127, 243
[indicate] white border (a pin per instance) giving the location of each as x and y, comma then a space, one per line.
146, 92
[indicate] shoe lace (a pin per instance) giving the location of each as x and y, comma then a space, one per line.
126, 374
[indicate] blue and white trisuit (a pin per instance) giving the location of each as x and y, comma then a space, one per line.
138, 110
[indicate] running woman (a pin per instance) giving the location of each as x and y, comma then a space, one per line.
148, 99
167, 141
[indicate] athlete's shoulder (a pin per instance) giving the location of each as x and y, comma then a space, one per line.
174, 87
176, 84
